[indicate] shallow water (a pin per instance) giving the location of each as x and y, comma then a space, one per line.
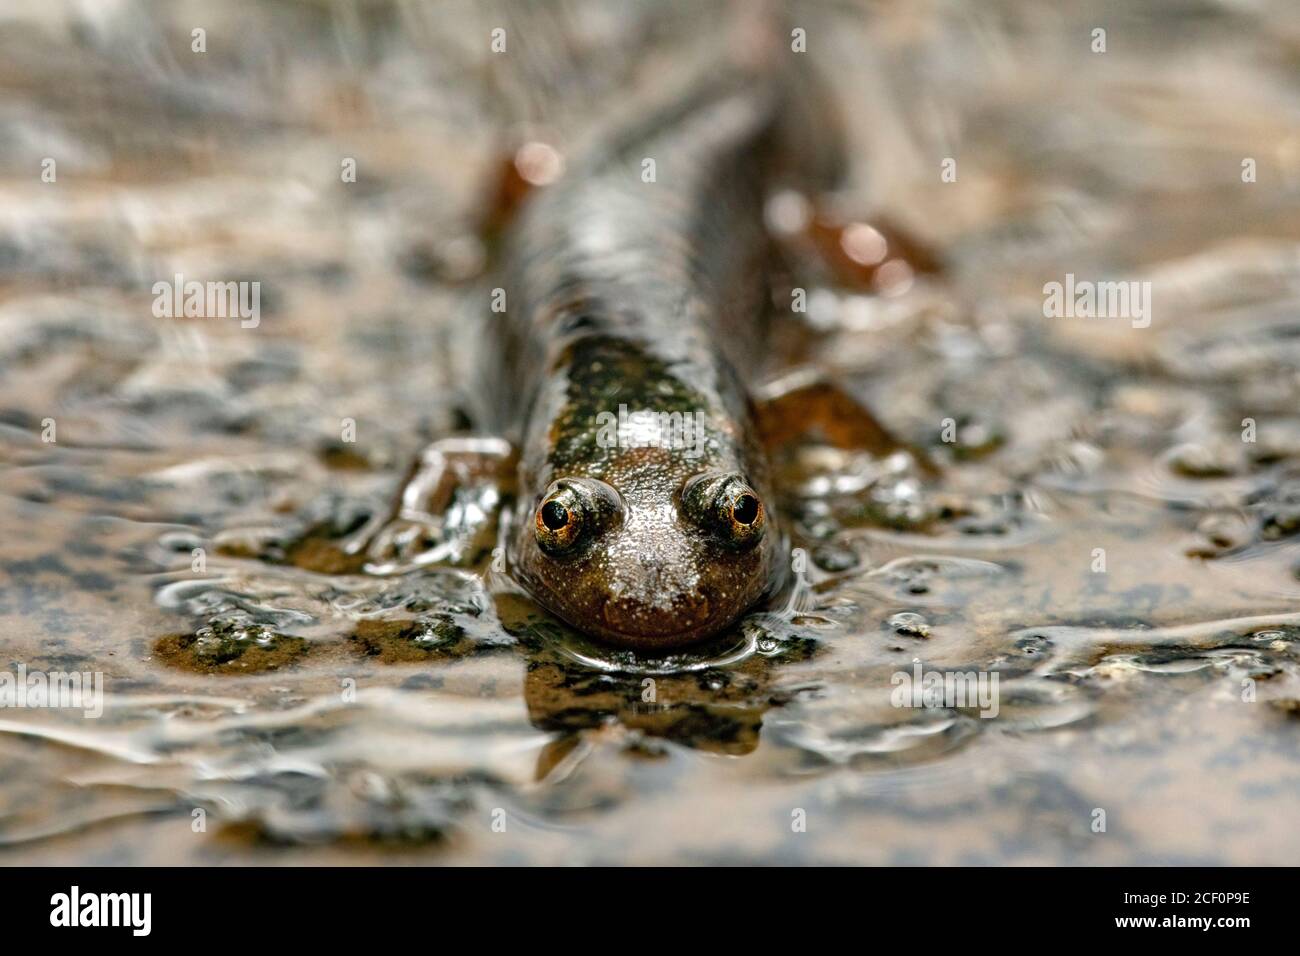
276, 702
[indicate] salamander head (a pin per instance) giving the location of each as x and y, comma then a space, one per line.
652, 564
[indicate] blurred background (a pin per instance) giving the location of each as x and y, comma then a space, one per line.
269, 701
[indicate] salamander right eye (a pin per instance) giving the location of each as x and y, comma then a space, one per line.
573, 509
728, 506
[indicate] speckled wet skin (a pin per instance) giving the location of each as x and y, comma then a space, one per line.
647, 299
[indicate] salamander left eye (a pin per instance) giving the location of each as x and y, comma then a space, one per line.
573, 510
726, 505
555, 516
559, 522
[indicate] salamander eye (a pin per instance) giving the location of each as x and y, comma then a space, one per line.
726, 505
746, 510
559, 522
572, 510
555, 516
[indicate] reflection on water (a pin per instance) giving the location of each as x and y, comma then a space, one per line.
1115, 535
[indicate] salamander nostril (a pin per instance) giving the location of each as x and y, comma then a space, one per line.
554, 515
745, 509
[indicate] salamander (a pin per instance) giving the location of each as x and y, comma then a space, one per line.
645, 512
637, 301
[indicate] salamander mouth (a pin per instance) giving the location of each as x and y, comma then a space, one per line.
644, 629
658, 640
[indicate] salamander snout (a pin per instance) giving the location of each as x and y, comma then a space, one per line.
656, 620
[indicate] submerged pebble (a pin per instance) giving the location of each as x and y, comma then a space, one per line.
435, 637
231, 646
910, 624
